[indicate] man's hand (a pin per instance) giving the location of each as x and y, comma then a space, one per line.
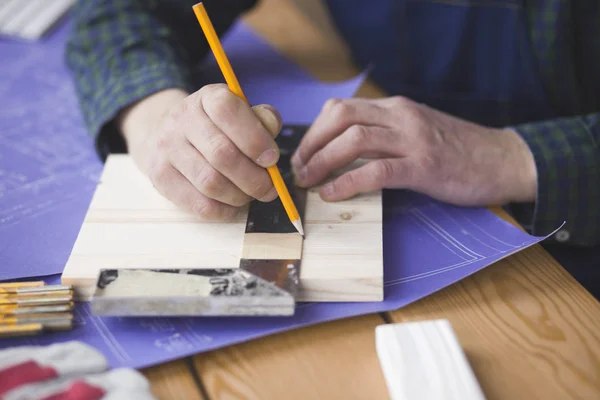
206, 152
414, 147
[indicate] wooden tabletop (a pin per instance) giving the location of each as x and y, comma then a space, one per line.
528, 328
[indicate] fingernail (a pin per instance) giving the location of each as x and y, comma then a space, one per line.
274, 112
272, 195
270, 118
267, 158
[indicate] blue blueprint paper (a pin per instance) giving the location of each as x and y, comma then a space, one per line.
427, 246
48, 167
48, 172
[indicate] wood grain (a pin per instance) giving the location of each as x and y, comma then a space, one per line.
173, 380
529, 329
130, 225
424, 360
331, 361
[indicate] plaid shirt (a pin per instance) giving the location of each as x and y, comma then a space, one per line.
123, 50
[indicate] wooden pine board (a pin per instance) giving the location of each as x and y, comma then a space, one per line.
272, 246
130, 225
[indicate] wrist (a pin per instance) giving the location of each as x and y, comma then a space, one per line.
137, 121
522, 170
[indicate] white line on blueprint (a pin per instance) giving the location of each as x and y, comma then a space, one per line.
444, 234
429, 273
473, 236
512, 246
107, 336
447, 240
448, 245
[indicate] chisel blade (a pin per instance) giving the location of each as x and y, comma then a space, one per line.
197, 292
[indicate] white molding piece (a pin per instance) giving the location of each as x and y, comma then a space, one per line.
424, 360
31, 19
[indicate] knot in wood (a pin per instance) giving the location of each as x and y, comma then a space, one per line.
346, 216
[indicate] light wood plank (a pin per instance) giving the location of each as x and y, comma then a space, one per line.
272, 246
130, 225
331, 361
173, 380
529, 329
424, 360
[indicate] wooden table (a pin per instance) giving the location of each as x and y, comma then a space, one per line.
528, 328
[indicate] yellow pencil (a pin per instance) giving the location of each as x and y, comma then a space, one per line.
234, 86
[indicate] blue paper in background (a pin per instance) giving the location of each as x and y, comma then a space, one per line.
48, 172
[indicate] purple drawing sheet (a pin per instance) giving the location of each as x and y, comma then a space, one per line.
48, 171
427, 246
48, 168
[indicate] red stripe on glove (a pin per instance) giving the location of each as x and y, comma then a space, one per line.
24, 373
79, 390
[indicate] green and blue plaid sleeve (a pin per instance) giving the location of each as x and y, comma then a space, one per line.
121, 51
567, 157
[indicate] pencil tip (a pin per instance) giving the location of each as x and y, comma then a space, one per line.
298, 224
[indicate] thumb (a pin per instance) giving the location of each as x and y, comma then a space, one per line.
269, 117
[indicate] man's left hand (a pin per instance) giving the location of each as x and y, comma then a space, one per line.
412, 146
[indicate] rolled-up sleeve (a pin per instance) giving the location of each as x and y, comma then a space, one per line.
121, 51
567, 157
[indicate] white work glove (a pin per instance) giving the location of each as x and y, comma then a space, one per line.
70, 370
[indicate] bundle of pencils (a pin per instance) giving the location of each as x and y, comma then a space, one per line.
30, 308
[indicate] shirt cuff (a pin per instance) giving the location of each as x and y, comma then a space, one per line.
101, 108
567, 159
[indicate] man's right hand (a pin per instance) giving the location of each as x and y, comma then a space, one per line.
206, 152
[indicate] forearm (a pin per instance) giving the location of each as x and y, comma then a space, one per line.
122, 51
567, 158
